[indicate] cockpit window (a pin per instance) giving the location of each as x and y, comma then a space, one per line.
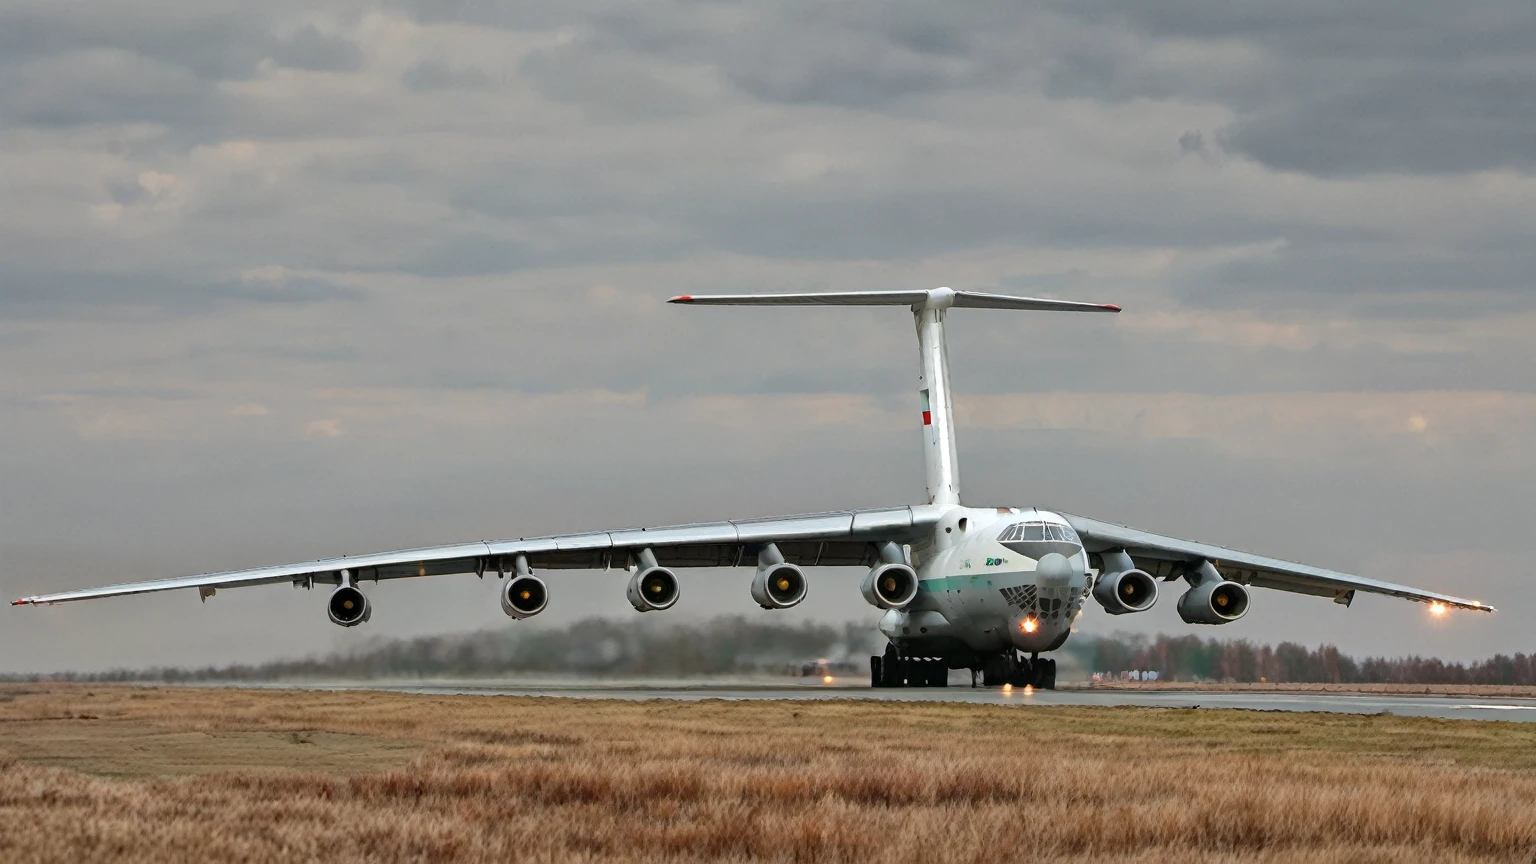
1063, 533
1038, 532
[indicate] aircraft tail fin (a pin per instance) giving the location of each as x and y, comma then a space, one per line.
928, 309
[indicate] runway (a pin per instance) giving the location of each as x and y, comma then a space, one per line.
1452, 708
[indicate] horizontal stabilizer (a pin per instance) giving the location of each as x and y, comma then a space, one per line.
978, 300
836, 298
937, 298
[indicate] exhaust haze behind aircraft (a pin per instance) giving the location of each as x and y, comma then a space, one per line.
987, 589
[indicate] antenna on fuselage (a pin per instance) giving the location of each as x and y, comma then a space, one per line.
928, 309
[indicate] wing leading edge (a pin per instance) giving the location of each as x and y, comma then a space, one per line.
842, 538
1167, 557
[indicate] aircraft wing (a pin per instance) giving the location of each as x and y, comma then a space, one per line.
1169, 557
819, 539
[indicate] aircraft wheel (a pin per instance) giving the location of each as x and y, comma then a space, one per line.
1045, 675
874, 670
995, 672
1023, 674
893, 671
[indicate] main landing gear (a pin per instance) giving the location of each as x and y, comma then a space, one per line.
1010, 668
897, 669
894, 669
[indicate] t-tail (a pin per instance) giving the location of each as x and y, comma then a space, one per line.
928, 309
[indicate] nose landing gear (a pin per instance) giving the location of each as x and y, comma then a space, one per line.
1009, 668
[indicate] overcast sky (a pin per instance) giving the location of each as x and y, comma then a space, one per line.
282, 280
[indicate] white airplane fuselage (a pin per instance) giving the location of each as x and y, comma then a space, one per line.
992, 579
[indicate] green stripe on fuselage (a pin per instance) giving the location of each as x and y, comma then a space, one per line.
955, 583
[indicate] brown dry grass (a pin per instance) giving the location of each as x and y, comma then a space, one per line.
1473, 690
235, 775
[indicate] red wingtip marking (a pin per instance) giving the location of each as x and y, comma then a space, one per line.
18, 602
682, 298
1111, 307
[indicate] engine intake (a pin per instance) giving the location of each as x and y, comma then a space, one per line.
1214, 602
1125, 592
653, 589
778, 586
890, 586
524, 596
348, 607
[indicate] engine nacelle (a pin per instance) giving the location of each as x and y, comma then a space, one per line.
524, 596
890, 586
348, 606
1125, 592
778, 586
1213, 602
653, 589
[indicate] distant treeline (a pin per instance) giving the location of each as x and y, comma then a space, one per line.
648, 647
1190, 658
659, 647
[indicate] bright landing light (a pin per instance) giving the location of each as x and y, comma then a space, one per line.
826, 679
1437, 609
1028, 625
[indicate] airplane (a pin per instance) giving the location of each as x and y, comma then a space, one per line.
988, 589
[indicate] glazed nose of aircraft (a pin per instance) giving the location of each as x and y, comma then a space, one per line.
1053, 569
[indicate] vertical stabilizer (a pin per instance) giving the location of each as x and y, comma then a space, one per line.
938, 404
929, 309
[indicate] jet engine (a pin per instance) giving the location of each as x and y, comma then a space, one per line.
890, 586
652, 588
348, 606
778, 586
524, 596
1125, 592
1213, 602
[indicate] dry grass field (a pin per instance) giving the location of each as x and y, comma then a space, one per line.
94, 773
1468, 690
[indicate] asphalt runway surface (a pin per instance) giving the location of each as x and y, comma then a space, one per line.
1448, 707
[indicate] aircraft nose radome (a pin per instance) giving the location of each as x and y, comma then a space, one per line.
1053, 568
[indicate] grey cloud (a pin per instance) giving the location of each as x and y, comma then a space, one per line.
1316, 88
105, 86
35, 293
867, 55
207, 40
1412, 121
616, 86
1358, 273
288, 289
1331, 89
531, 15
308, 48
85, 63
431, 75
